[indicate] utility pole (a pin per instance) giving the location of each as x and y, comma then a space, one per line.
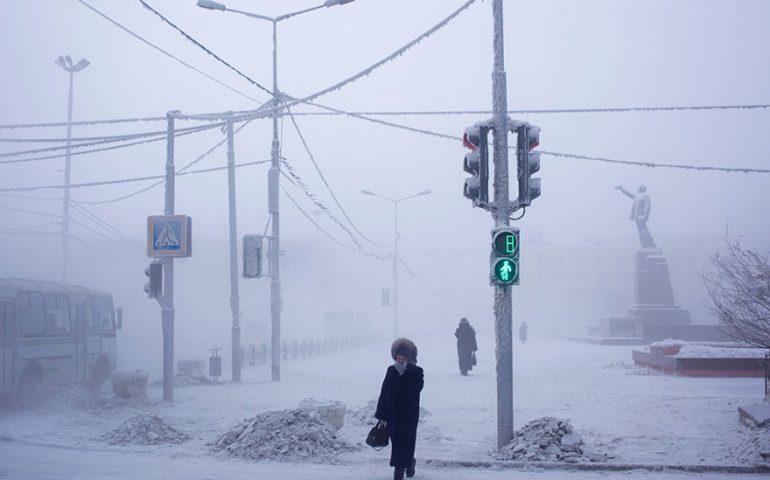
65, 62
503, 303
395, 269
234, 295
167, 304
273, 175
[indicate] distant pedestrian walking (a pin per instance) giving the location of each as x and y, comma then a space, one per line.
466, 346
523, 332
399, 406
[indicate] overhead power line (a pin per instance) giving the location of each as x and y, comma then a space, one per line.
125, 180
326, 183
164, 52
204, 48
422, 284
385, 113
184, 168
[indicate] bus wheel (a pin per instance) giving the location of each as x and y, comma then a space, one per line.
100, 373
27, 390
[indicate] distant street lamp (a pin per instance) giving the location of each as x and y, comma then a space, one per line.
272, 185
65, 62
395, 203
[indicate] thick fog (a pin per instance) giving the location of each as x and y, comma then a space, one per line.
577, 239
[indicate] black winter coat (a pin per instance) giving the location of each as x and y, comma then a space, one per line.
399, 406
466, 345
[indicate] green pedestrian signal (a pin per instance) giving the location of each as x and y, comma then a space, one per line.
506, 271
505, 256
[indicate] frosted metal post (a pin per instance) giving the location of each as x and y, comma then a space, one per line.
167, 305
274, 244
503, 303
65, 62
395, 270
234, 295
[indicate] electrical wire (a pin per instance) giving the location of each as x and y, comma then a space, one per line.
410, 272
99, 221
542, 111
146, 42
188, 165
326, 183
203, 47
124, 180
156, 135
31, 212
389, 58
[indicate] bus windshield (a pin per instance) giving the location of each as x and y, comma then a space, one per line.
101, 320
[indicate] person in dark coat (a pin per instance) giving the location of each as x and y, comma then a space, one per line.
523, 332
399, 406
466, 345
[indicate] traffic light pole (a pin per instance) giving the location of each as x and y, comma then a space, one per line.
167, 300
503, 304
235, 306
274, 244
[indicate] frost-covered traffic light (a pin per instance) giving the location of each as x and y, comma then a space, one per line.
476, 163
504, 263
154, 285
252, 256
528, 162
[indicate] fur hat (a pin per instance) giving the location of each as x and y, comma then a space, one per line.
463, 320
405, 347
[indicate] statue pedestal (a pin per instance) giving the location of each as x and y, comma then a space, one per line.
654, 315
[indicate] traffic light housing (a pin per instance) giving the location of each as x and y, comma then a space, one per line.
528, 162
154, 285
504, 264
476, 163
252, 256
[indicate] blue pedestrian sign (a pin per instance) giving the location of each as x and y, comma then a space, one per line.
169, 236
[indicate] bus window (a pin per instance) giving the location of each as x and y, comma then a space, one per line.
57, 314
9, 330
101, 320
31, 314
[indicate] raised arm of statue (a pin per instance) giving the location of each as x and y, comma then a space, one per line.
624, 191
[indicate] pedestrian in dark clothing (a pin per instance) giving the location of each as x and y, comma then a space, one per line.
399, 406
523, 332
466, 345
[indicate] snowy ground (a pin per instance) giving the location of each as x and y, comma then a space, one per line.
634, 415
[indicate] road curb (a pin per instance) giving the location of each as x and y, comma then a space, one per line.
599, 467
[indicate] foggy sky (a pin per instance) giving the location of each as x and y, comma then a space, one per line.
559, 54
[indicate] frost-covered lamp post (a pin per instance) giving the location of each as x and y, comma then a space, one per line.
272, 176
395, 249
65, 62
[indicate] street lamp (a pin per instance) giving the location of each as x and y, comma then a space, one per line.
65, 62
395, 202
272, 181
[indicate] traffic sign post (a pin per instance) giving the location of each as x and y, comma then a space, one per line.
169, 236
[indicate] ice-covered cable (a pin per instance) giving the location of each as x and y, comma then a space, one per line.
170, 55
410, 272
184, 168
326, 183
652, 165
204, 48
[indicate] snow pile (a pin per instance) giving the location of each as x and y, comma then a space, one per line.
547, 439
331, 411
284, 435
182, 380
364, 416
692, 350
144, 430
76, 397
754, 449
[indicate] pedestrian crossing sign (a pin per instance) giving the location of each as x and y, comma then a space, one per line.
169, 236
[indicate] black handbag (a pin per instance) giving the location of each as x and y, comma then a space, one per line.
473, 359
378, 436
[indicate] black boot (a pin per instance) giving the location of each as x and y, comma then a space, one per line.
410, 468
398, 473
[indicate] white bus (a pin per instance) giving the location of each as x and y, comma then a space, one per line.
54, 334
